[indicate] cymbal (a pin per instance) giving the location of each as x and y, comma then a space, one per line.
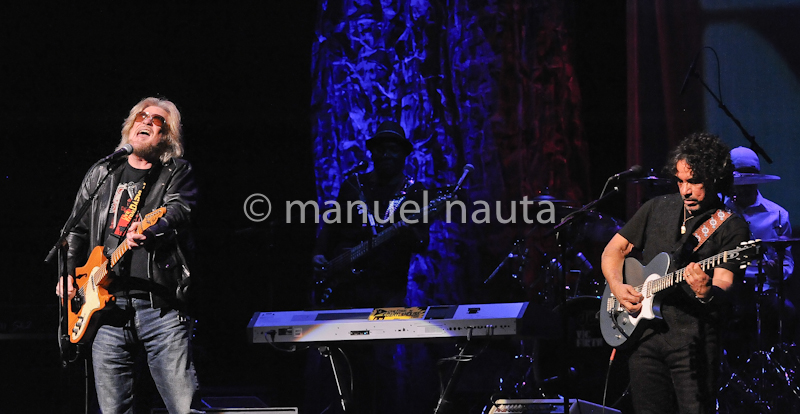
548, 197
752, 178
782, 239
589, 225
653, 180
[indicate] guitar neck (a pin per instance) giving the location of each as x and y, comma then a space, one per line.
343, 261
120, 251
387, 234
673, 278
705, 264
116, 255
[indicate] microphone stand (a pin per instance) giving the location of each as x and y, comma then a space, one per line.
561, 297
753, 144
780, 249
60, 249
516, 251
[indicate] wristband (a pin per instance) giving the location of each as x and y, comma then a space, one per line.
704, 300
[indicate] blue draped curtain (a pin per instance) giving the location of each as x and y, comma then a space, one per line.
489, 83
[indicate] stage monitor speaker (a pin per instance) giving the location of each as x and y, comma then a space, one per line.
246, 401
276, 410
549, 406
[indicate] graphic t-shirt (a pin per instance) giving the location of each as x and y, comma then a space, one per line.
126, 207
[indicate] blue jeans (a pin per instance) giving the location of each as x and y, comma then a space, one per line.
129, 329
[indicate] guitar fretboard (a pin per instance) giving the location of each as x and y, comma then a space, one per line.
671, 279
364, 247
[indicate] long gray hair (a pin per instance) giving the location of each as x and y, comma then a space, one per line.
171, 132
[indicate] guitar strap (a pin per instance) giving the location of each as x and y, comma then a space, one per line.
710, 226
683, 249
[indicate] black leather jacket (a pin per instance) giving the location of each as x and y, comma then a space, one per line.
174, 189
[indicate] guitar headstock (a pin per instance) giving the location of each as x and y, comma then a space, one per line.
746, 252
152, 218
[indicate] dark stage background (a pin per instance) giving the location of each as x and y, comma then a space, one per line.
277, 98
241, 75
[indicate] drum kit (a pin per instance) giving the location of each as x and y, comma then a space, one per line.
753, 178
766, 376
559, 267
760, 375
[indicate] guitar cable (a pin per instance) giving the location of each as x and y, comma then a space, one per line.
328, 353
608, 374
349, 369
624, 394
270, 337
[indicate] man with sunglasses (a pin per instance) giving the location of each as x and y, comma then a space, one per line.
150, 282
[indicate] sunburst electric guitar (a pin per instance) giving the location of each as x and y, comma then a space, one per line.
91, 295
653, 281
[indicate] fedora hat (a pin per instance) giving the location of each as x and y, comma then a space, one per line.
390, 131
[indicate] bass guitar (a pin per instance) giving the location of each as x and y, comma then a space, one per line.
653, 282
343, 268
91, 295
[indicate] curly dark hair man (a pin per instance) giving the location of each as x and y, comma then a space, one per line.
674, 363
709, 159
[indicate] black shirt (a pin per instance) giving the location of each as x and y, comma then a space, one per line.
134, 263
383, 273
655, 228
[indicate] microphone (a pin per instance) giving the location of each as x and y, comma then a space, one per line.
583, 262
467, 169
126, 149
691, 71
361, 166
635, 171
